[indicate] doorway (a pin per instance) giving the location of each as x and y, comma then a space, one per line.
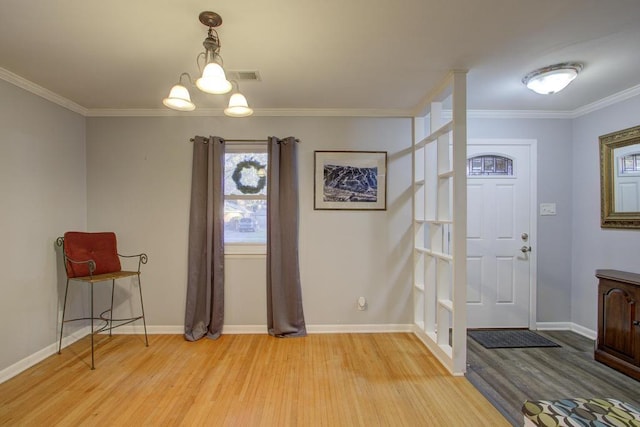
501, 233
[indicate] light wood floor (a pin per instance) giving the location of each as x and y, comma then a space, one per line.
246, 380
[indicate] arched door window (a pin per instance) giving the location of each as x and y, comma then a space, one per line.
489, 165
630, 164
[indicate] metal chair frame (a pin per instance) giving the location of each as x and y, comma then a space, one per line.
91, 279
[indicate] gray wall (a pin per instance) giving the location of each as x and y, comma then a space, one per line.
146, 163
593, 247
554, 138
43, 190
139, 173
132, 175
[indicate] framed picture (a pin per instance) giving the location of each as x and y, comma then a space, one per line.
353, 180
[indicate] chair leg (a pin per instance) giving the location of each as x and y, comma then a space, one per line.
113, 287
92, 359
144, 322
64, 308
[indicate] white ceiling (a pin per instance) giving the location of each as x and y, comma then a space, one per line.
323, 54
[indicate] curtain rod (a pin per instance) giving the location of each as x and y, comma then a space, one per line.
261, 141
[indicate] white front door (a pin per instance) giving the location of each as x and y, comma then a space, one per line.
498, 236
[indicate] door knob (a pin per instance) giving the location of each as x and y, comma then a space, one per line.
524, 237
525, 249
636, 323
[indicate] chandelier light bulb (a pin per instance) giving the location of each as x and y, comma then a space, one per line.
213, 80
552, 79
238, 106
179, 99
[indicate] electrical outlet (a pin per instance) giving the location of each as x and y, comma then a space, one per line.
362, 303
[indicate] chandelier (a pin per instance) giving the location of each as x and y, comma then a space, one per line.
213, 79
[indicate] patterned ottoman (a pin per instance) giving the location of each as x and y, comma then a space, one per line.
580, 412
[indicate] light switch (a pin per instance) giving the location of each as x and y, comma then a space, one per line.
547, 209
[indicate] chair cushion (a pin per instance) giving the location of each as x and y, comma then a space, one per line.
99, 247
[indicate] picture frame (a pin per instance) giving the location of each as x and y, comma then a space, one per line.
619, 193
350, 180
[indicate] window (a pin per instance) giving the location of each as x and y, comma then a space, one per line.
489, 165
245, 197
630, 164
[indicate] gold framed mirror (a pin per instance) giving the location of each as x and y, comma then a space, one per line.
620, 179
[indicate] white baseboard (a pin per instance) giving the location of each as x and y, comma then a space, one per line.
151, 330
244, 329
358, 329
589, 333
24, 364
567, 326
262, 329
179, 329
436, 350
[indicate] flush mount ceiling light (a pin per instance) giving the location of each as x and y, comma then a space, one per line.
553, 78
213, 78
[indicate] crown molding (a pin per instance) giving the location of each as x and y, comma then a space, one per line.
258, 112
518, 114
38, 90
35, 89
324, 112
332, 112
606, 102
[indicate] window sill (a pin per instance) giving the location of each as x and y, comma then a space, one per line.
241, 250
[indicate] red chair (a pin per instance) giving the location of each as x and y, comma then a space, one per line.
91, 258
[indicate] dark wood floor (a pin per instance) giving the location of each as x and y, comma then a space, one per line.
508, 377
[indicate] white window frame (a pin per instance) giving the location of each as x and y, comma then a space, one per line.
237, 248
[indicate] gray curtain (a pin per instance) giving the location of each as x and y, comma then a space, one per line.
285, 317
205, 282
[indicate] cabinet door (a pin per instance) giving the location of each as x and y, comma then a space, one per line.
619, 313
636, 326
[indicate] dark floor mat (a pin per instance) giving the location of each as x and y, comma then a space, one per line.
510, 338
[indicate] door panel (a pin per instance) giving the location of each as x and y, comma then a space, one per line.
505, 212
498, 272
474, 275
505, 281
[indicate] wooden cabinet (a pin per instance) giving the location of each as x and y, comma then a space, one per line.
618, 342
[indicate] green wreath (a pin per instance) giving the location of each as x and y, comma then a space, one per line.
237, 177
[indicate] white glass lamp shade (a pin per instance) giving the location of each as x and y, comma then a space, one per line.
179, 99
551, 79
238, 106
213, 80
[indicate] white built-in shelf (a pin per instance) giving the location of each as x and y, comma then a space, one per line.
433, 221
438, 297
442, 256
446, 349
435, 254
447, 304
438, 221
444, 129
